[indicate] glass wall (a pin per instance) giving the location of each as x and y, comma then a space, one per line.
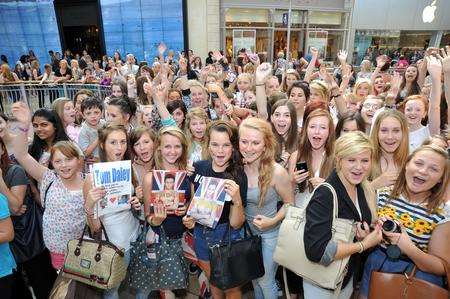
138, 26
28, 25
326, 30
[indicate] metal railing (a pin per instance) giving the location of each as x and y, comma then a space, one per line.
42, 95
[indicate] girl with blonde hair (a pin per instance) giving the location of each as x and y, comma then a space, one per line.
353, 153
196, 122
362, 88
390, 140
170, 155
418, 203
268, 184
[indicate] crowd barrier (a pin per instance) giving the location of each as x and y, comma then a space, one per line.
42, 95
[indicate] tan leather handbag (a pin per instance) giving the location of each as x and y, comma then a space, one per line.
290, 250
404, 286
94, 262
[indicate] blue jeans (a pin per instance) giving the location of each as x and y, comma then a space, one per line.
205, 237
265, 287
312, 291
114, 293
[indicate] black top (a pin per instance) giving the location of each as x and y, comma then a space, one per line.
319, 214
204, 169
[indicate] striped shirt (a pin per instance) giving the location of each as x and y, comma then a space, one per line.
419, 224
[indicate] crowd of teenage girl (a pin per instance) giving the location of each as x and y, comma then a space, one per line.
380, 140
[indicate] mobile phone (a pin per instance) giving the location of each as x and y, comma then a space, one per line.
302, 166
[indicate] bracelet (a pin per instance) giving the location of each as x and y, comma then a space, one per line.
88, 213
262, 84
361, 247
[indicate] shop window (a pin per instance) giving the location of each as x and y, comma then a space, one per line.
238, 17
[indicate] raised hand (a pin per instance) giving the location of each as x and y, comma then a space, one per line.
381, 61
314, 52
160, 92
445, 59
21, 113
262, 73
162, 48
217, 55
254, 58
342, 56
434, 67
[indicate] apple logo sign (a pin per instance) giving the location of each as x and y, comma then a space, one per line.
428, 12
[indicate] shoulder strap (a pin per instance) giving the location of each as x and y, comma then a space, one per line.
335, 201
45, 193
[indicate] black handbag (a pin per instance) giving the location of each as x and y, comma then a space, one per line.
236, 262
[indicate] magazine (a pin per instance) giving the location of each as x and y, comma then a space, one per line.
115, 177
166, 190
207, 204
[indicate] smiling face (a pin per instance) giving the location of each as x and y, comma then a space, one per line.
355, 168
171, 148
197, 126
318, 131
379, 85
297, 98
115, 146
281, 120
316, 95
251, 144
43, 128
69, 113
390, 134
198, 96
65, 167
369, 107
144, 148
220, 148
414, 112
424, 171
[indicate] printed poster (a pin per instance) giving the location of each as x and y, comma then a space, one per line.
207, 204
115, 177
167, 191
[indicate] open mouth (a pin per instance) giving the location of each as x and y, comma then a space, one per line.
418, 180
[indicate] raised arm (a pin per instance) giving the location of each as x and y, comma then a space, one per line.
381, 61
262, 73
312, 64
434, 113
445, 59
17, 141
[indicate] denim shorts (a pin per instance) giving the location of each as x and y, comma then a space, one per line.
377, 261
205, 237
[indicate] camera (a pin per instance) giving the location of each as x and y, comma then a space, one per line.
391, 226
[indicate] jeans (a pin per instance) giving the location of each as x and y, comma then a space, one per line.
312, 291
265, 287
205, 237
114, 293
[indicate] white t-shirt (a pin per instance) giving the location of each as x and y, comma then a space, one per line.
417, 137
122, 228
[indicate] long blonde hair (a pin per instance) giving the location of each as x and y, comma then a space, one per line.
354, 143
200, 113
438, 191
401, 153
267, 158
175, 132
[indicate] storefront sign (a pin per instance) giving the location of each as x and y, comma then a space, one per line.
318, 40
244, 39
